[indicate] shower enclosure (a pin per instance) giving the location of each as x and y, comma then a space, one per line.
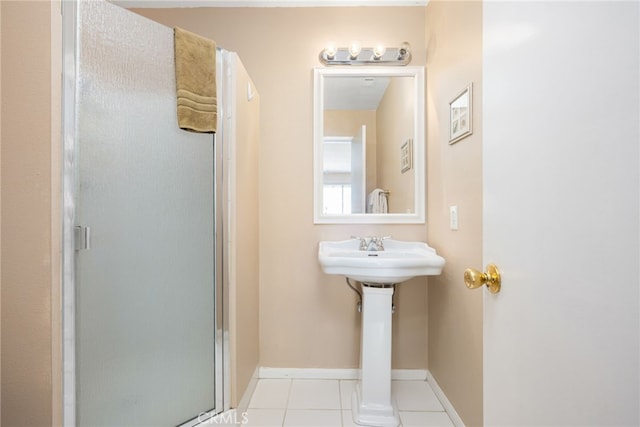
144, 311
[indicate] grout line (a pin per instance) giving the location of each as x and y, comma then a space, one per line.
286, 406
340, 399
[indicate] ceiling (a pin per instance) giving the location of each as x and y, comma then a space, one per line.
354, 92
265, 3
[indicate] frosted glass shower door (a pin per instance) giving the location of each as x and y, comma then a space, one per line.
145, 327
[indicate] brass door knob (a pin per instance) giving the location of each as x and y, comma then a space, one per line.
474, 278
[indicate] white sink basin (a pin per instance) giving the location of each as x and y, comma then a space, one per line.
398, 262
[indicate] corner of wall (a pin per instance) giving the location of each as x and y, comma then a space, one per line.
454, 59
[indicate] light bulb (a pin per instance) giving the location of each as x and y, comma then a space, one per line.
354, 49
330, 51
379, 51
404, 49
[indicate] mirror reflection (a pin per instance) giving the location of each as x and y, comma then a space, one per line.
368, 137
367, 119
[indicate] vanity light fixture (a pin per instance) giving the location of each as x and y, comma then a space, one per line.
355, 54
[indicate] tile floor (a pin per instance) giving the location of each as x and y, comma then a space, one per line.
327, 403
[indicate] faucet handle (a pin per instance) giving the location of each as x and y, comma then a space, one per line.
363, 242
378, 241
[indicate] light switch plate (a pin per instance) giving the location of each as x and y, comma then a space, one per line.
453, 217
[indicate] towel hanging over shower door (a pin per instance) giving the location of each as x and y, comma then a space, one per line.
145, 348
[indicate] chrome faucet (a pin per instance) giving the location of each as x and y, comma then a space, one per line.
372, 243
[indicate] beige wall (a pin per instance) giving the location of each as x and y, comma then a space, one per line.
395, 118
454, 46
348, 122
308, 319
28, 266
244, 286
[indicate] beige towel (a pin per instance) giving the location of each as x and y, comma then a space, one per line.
196, 82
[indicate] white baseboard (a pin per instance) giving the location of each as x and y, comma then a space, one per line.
335, 374
451, 411
246, 396
308, 373
409, 374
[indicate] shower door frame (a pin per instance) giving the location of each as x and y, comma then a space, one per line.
69, 157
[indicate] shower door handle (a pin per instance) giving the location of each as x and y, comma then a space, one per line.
82, 237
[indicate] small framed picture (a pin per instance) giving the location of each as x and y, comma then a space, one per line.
460, 115
405, 156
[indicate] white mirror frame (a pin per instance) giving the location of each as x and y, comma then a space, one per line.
418, 217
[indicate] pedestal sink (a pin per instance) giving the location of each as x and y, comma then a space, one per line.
379, 271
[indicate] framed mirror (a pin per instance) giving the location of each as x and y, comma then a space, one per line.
369, 146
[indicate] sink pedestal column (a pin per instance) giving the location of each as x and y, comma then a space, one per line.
371, 401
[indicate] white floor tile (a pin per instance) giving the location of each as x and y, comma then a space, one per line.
347, 388
271, 394
347, 419
263, 418
327, 403
226, 419
415, 396
312, 417
314, 394
425, 419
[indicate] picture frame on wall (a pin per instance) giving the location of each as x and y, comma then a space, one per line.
461, 115
405, 156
